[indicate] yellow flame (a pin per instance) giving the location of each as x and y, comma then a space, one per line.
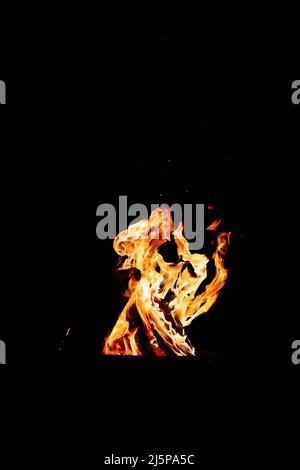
163, 297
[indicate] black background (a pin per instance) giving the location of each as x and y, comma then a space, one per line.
83, 136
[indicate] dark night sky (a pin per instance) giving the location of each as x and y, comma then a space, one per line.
171, 108
162, 122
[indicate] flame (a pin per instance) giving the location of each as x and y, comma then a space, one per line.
213, 227
162, 296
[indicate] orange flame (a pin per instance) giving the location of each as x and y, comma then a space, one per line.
213, 227
161, 295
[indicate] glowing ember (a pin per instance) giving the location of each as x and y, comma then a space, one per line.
162, 296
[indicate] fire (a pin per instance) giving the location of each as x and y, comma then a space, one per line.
162, 296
